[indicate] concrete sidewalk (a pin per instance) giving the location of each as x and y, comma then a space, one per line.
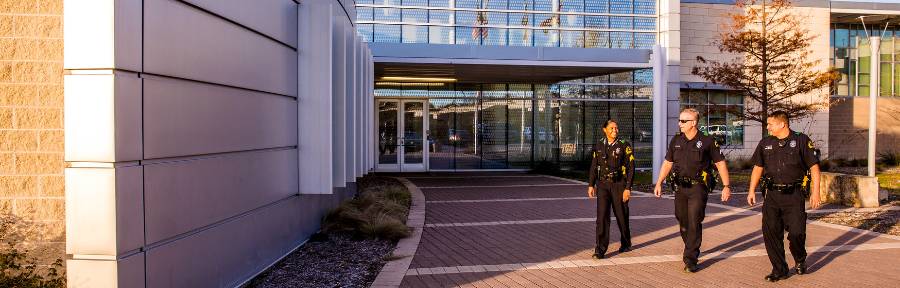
508, 230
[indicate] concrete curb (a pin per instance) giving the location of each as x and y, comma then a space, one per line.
392, 273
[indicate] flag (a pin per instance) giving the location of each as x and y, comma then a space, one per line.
524, 23
553, 21
480, 19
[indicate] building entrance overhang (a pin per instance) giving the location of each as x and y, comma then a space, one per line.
501, 64
872, 17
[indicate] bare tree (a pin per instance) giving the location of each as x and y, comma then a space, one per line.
775, 66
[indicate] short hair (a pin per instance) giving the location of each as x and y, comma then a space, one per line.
608, 121
692, 111
781, 116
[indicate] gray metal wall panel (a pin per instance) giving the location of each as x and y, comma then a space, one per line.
184, 118
225, 255
274, 18
181, 196
504, 53
184, 42
596, 55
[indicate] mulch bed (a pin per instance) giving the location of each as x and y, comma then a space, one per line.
335, 260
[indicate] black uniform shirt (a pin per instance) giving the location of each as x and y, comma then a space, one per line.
785, 160
691, 157
617, 156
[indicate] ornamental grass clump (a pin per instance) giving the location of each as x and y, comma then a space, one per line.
378, 211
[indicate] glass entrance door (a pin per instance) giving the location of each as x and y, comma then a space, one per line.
401, 139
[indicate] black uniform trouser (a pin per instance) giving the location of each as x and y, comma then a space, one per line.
609, 194
690, 209
782, 212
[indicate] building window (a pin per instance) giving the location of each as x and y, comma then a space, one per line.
715, 119
851, 56
500, 125
541, 23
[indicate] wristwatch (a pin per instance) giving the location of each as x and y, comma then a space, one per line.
726, 186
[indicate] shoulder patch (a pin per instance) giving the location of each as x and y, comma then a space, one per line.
628, 150
810, 144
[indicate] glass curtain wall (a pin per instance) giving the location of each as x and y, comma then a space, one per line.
715, 119
514, 126
545, 23
851, 55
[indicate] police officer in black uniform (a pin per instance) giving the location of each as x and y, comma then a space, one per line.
782, 160
690, 157
611, 176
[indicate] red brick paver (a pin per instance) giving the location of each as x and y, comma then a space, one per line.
527, 240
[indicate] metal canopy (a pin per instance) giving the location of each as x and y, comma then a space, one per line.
492, 73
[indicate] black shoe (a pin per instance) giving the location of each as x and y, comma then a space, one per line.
800, 268
775, 277
598, 256
624, 249
690, 268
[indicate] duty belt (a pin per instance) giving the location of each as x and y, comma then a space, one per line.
611, 176
784, 188
686, 182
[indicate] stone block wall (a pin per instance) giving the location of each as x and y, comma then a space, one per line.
31, 121
849, 134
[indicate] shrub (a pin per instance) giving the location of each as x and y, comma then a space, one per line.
826, 165
889, 158
17, 267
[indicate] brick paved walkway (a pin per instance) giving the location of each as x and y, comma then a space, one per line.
519, 230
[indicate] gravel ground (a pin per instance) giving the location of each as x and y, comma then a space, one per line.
339, 261
887, 222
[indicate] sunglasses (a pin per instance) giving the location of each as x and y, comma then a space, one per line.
684, 121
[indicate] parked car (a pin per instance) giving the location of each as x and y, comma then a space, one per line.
718, 130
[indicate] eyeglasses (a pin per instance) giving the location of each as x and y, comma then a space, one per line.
684, 121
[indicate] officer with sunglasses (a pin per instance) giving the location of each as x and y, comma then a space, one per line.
611, 177
783, 158
690, 157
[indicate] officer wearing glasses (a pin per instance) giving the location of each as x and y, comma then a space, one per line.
782, 160
690, 157
611, 177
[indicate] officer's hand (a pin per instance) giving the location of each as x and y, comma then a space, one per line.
814, 202
592, 192
626, 195
726, 194
751, 198
657, 190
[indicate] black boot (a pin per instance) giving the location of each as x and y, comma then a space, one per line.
624, 249
800, 268
775, 277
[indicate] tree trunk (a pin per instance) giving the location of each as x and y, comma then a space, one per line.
765, 67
